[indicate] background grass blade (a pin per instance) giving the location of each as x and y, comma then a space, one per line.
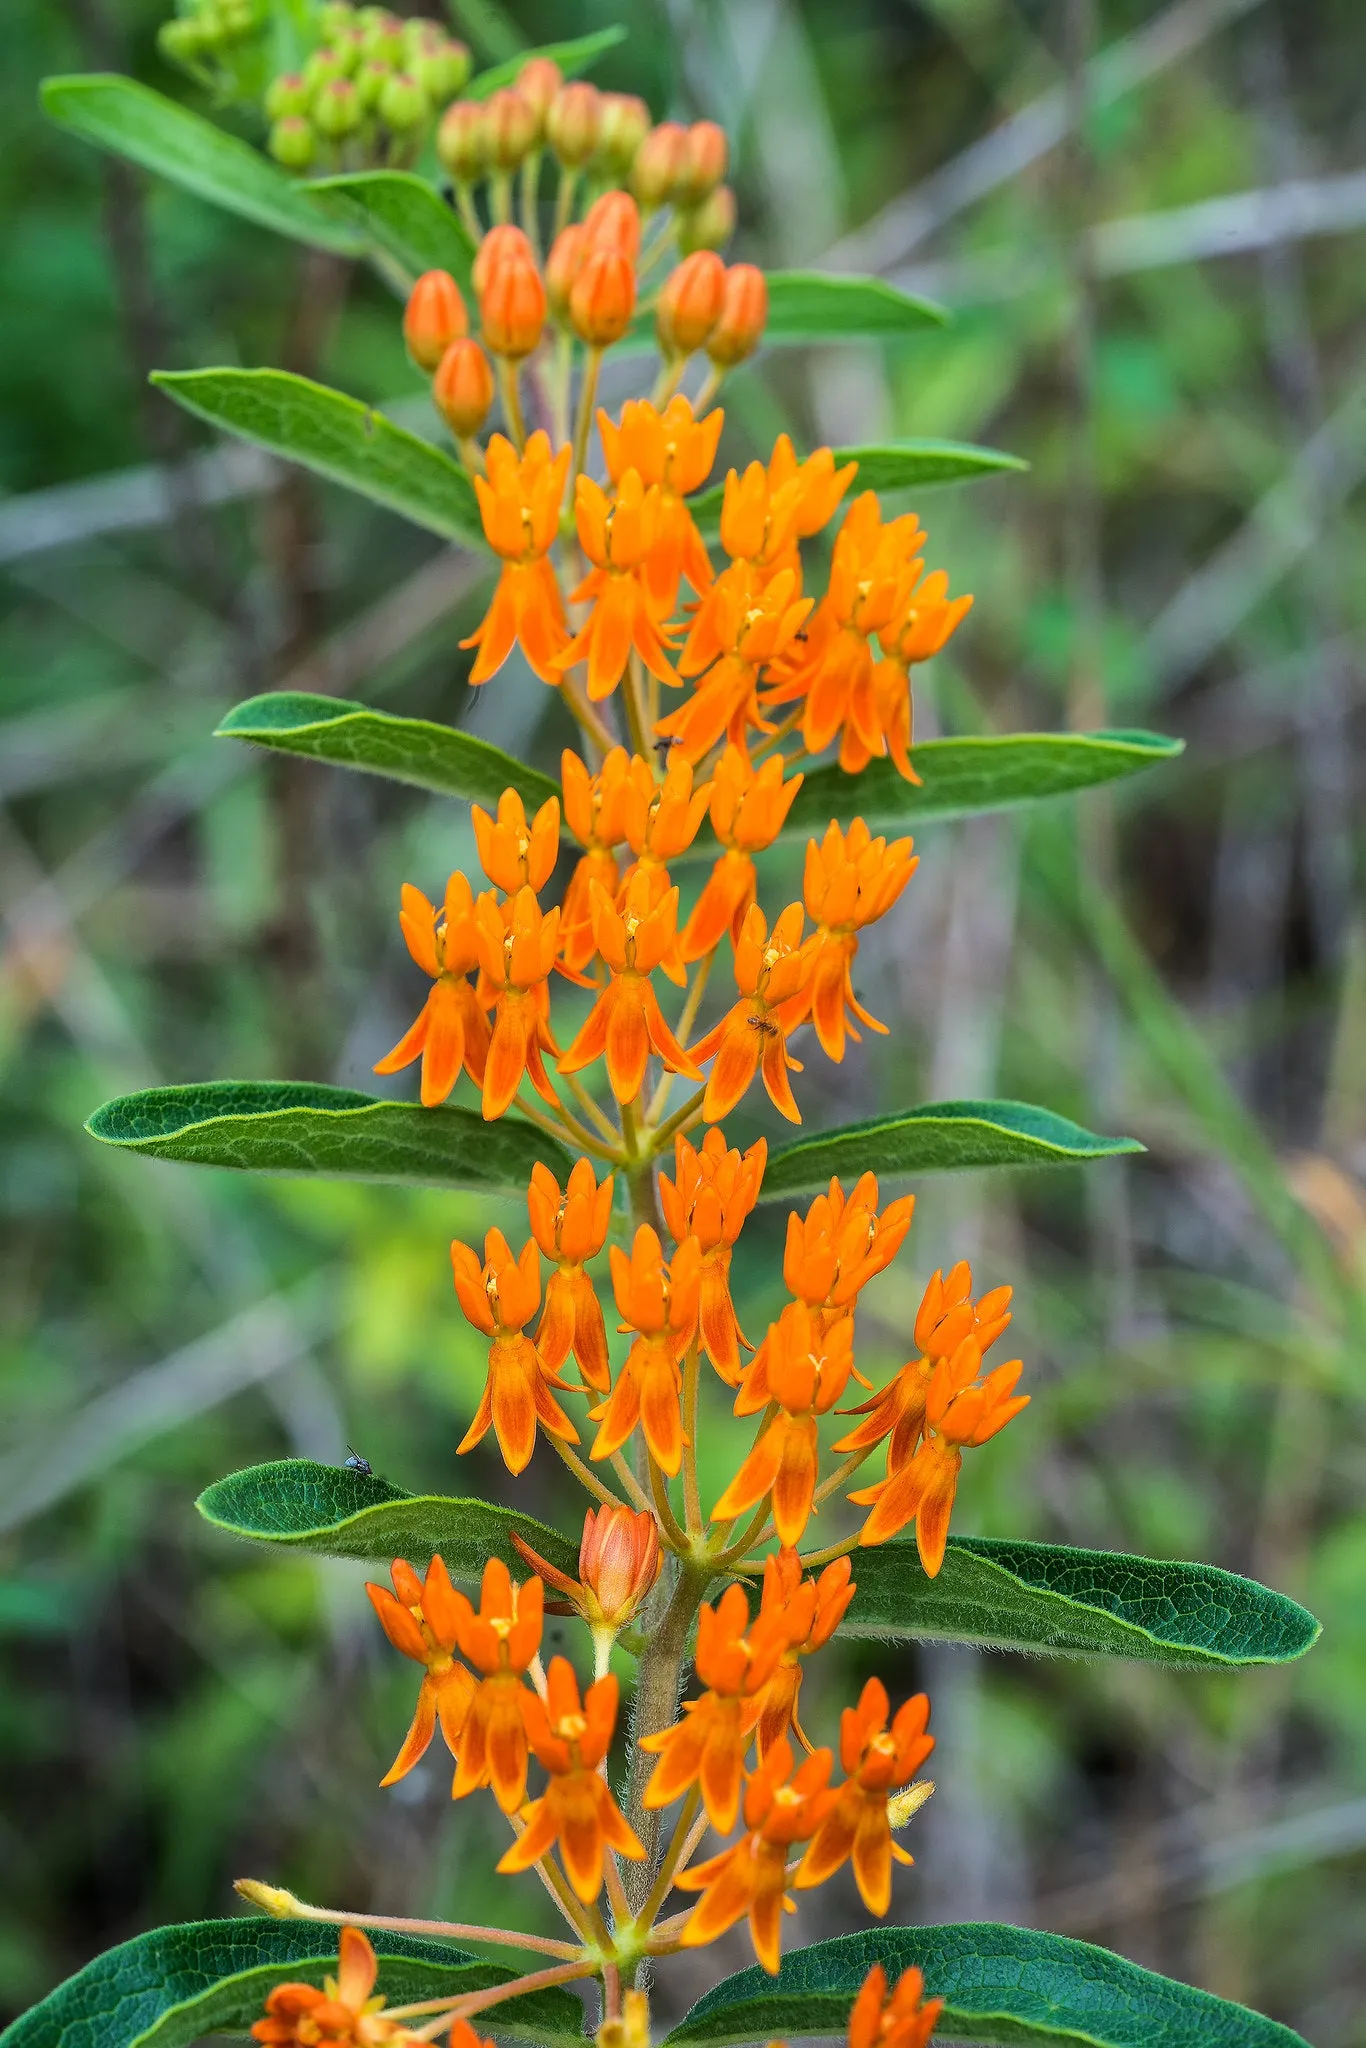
338, 438
330, 1511
1010, 1985
411, 750
816, 305
306, 1127
1050, 1597
939, 1137
406, 217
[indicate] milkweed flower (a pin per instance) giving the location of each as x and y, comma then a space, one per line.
419, 1619
451, 1033
812, 1609
663, 814
519, 504
749, 808
960, 1410
595, 812
877, 1762
617, 534
501, 1641
805, 1371
929, 621
782, 1807
344, 2014
571, 1738
850, 880
672, 453
517, 945
499, 1296
713, 1192
619, 1560
570, 1228
770, 972
626, 1022
658, 1301
747, 619
841, 1244
514, 854
905, 2020
947, 1315
708, 1746
770, 507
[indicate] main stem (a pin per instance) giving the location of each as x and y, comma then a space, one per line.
658, 1684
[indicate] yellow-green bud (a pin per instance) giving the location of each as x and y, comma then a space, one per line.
710, 225
462, 141
384, 39
337, 111
287, 94
181, 40
442, 71
335, 19
402, 104
370, 82
322, 67
292, 143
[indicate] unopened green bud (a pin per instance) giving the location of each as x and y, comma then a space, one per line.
337, 111
419, 36
237, 19
285, 95
710, 225
335, 19
180, 41
292, 142
384, 39
322, 68
370, 82
402, 103
443, 71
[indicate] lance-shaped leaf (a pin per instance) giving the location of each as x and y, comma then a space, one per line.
412, 750
572, 57
170, 1987
403, 215
306, 1127
962, 778
331, 1511
1011, 1985
818, 305
1050, 1597
132, 121
891, 466
339, 438
938, 1137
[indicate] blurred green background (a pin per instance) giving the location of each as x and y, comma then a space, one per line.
1148, 221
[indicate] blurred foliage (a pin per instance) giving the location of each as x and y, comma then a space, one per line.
176, 1711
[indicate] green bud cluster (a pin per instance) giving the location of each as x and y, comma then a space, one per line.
206, 32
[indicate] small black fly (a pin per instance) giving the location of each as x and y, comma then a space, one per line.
664, 747
355, 1463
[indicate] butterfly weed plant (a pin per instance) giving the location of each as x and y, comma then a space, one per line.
739, 657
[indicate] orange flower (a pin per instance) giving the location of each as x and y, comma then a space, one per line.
343, 2014
500, 1296
946, 1316
749, 808
617, 534
571, 1738
713, 1194
841, 1244
570, 1229
877, 1762
517, 945
421, 1623
850, 880
959, 1410
619, 1561
811, 1609
765, 512
658, 1302
770, 972
673, 453
626, 1021
662, 816
902, 2021
707, 1748
512, 853
501, 1641
748, 618
781, 1808
519, 503
805, 1371
872, 575
930, 620
595, 812
451, 1031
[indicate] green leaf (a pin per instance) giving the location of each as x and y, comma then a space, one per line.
176, 1984
572, 57
337, 437
331, 1511
411, 750
307, 1127
406, 217
894, 466
118, 114
1049, 1597
939, 1137
999, 1984
819, 305
961, 778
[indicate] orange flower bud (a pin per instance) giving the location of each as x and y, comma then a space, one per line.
613, 222
497, 243
690, 303
658, 165
512, 307
744, 313
539, 81
623, 124
603, 298
512, 126
619, 1561
462, 141
434, 317
573, 123
710, 225
462, 389
563, 265
705, 155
